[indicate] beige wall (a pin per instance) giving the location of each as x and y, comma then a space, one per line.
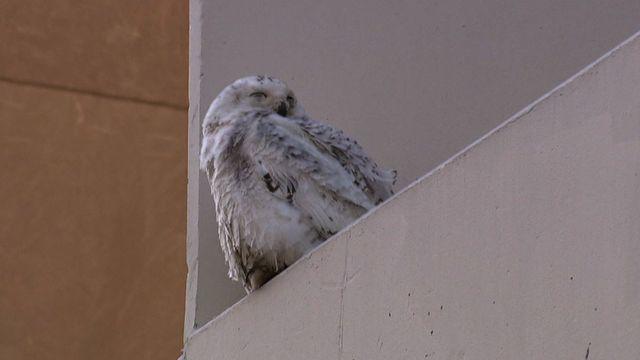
92, 187
525, 246
413, 81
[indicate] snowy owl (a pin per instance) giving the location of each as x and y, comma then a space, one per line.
281, 182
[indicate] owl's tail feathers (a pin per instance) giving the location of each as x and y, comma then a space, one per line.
256, 278
386, 180
393, 174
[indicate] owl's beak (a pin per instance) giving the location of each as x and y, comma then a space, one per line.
282, 109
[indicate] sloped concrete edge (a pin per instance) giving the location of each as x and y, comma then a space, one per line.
325, 277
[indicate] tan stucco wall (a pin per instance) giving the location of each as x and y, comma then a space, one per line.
524, 246
93, 179
413, 81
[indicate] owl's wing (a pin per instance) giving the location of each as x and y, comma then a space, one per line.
294, 168
374, 181
286, 154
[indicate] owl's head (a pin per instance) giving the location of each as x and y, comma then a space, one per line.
256, 93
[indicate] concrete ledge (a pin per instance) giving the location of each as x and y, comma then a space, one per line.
414, 82
525, 245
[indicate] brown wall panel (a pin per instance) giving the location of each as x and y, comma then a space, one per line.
135, 49
93, 225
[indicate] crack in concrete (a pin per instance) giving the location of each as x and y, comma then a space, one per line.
588, 348
342, 289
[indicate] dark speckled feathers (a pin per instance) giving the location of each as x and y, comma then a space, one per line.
377, 183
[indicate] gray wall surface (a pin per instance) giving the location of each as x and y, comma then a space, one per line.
524, 246
413, 81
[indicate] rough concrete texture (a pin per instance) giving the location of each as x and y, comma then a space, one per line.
414, 81
524, 246
119, 48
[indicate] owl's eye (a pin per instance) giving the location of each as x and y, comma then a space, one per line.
258, 95
290, 99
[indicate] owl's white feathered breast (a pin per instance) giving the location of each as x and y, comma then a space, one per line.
282, 183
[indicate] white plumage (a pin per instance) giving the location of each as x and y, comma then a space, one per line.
281, 182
